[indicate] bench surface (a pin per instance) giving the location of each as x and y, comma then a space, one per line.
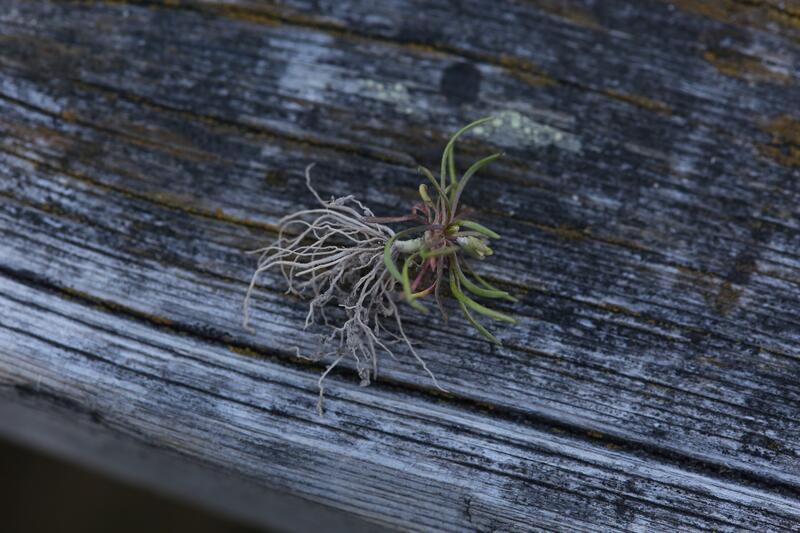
649, 202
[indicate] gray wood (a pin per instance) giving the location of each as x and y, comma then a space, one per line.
36, 418
650, 223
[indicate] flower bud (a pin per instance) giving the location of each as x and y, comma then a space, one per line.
423, 193
474, 246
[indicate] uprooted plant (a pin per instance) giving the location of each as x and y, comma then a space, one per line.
341, 255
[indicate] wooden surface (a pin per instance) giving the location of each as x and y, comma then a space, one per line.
650, 207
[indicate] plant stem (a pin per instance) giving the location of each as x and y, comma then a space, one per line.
408, 246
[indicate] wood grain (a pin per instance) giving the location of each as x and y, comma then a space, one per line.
648, 202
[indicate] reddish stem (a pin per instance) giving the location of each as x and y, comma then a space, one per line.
430, 288
418, 279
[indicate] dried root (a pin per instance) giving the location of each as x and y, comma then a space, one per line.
334, 256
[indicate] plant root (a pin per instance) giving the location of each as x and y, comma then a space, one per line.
335, 257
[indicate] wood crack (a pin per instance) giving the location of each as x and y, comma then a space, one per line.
539, 421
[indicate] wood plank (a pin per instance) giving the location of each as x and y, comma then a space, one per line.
392, 456
35, 417
653, 238
204, 292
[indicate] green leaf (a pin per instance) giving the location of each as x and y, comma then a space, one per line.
387, 251
455, 194
448, 149
479, 228
430, 176
447, 250
477, 325
475, 306
439, 189
480, 291
451, 163
407, 285
484, 282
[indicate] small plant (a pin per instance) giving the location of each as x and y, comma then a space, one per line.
342, 254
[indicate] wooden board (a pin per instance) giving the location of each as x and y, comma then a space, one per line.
648, 202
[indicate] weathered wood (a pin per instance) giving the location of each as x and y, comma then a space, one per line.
389, 454
36, 418
653, 237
